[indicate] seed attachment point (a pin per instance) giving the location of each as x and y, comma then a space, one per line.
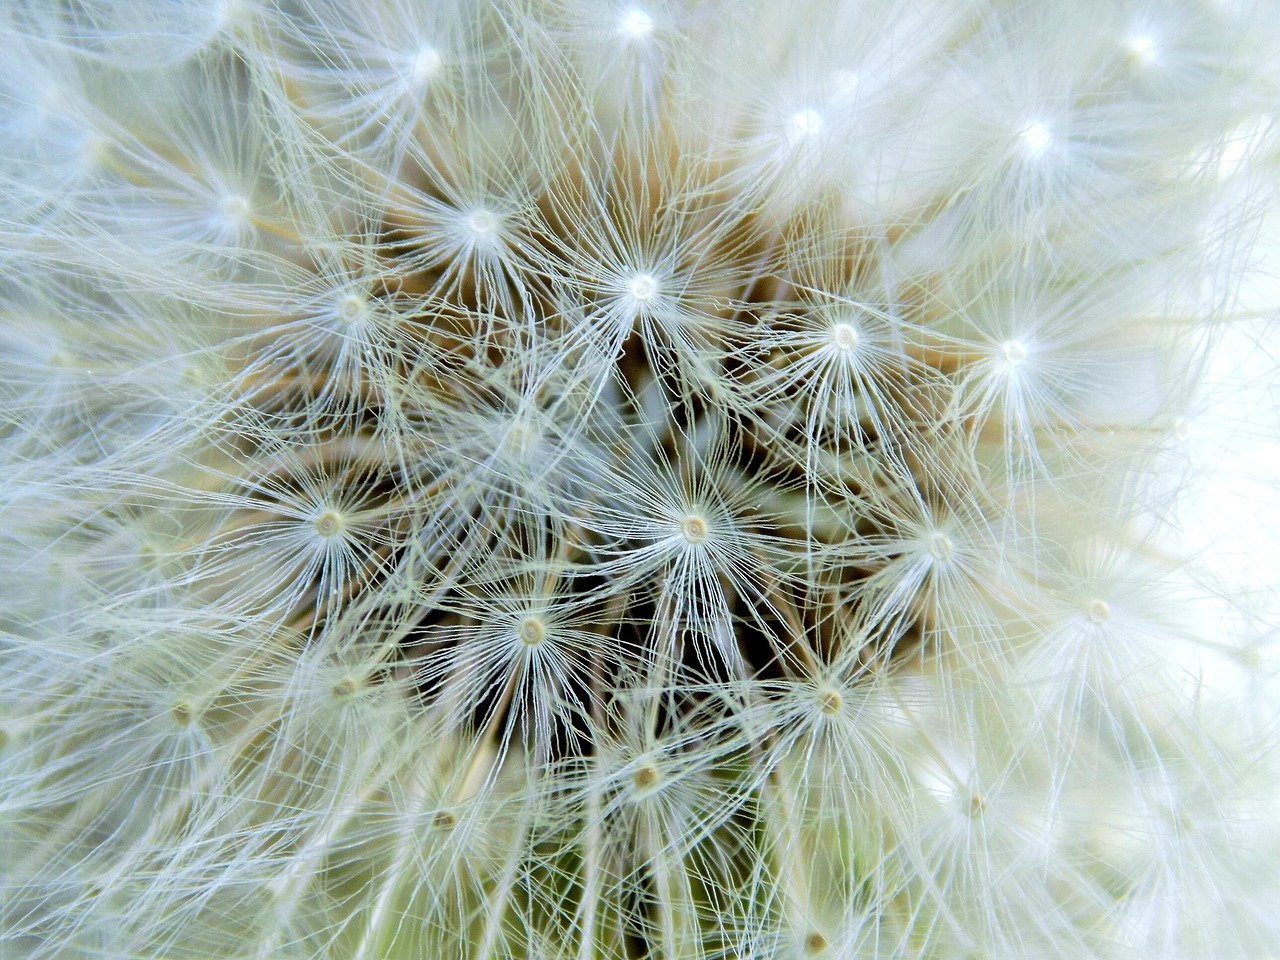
635, 24
829, 701
643, 287
694, 529
940, 547
482, 224
1014, 352
844, 337
345, 689
329, 524
815, 943
353, 309
426, 64
532, 631
805, 124
645, 777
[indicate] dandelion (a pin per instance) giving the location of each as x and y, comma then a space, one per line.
665, 480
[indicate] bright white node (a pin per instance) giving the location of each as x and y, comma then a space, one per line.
694, 528
329, 524
1099, 612
805, 124
482, 223
1014, 352
235, 208
1142, 48
845, 337
643, 287
1035, 140
532, 631
426, 64
635, 24
352, 309
940, 547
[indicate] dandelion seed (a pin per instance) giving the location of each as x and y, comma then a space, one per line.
353, 309
583, 480
235, 210
845, 82
815, 943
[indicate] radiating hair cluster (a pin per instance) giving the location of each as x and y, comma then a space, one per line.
547, 479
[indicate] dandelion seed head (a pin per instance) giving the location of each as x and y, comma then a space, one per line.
467, 467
